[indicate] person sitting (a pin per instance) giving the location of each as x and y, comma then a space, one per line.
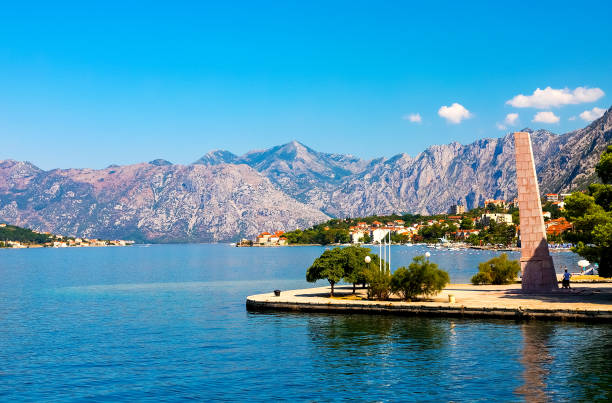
566, 279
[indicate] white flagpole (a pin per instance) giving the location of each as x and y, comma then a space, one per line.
389, 251
379, 255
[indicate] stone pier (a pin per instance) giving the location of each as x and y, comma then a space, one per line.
537, 267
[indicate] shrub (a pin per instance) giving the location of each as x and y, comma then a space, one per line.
379, 283
422, 277
499, 270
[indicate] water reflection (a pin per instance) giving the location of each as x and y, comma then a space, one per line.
536, 359
370, 330
590, 365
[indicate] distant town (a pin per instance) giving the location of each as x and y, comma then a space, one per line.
12, 236
495, 224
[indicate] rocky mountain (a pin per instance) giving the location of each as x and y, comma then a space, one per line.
436, 178
152, 202
223, 196
301, 172
571, 163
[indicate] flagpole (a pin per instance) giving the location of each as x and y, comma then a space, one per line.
389, 251
379, 255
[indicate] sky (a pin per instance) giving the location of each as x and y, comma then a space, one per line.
89, 84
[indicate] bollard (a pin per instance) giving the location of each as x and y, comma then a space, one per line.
451, 299
277, 293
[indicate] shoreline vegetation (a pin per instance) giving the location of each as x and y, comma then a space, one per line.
14, 237
492, 227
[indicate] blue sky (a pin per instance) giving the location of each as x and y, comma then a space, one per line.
87, 85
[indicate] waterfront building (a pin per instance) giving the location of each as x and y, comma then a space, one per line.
379, 234
457, 209
486, 219
552, 197
357, 236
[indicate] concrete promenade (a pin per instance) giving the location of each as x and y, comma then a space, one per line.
584, 302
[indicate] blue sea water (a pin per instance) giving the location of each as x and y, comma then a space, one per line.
168, 323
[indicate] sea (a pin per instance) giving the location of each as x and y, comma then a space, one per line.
168, 323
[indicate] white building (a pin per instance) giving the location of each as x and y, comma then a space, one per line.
357, 236
379, 234
498, 218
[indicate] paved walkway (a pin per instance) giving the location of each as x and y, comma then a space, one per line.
583, 302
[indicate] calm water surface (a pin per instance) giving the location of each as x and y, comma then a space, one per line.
168, 323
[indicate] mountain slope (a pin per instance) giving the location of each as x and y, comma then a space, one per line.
296, 169
149, 202
223, 196
572, 164
468, 174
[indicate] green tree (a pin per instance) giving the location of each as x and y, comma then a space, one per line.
23, 235
500, 233
499, 270
422, 277
355, 266
579, 204
516, 218
330, 266
378, 276
431, 233
602, 193
473, 239
591, 215
604, 166
467, 223
553, 209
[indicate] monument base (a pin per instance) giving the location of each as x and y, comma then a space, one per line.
538, 274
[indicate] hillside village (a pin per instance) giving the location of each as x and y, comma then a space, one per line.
495, 223
12, 236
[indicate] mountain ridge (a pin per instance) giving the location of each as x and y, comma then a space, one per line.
223, 196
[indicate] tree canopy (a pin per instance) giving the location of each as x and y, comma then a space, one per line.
498, 270
422, 277
329, 266
23, 235
348, 264
591, 215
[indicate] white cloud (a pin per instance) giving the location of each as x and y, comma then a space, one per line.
551, 97
511, 119
500, 126
413, 117
454, 113
572, 118
593, 114
546, 117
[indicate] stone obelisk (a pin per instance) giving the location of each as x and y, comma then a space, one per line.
537, 267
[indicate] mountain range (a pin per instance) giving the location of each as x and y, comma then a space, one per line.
223, 196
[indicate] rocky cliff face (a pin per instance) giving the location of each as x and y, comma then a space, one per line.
438, 177
223, 196
301, 172
149, 202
